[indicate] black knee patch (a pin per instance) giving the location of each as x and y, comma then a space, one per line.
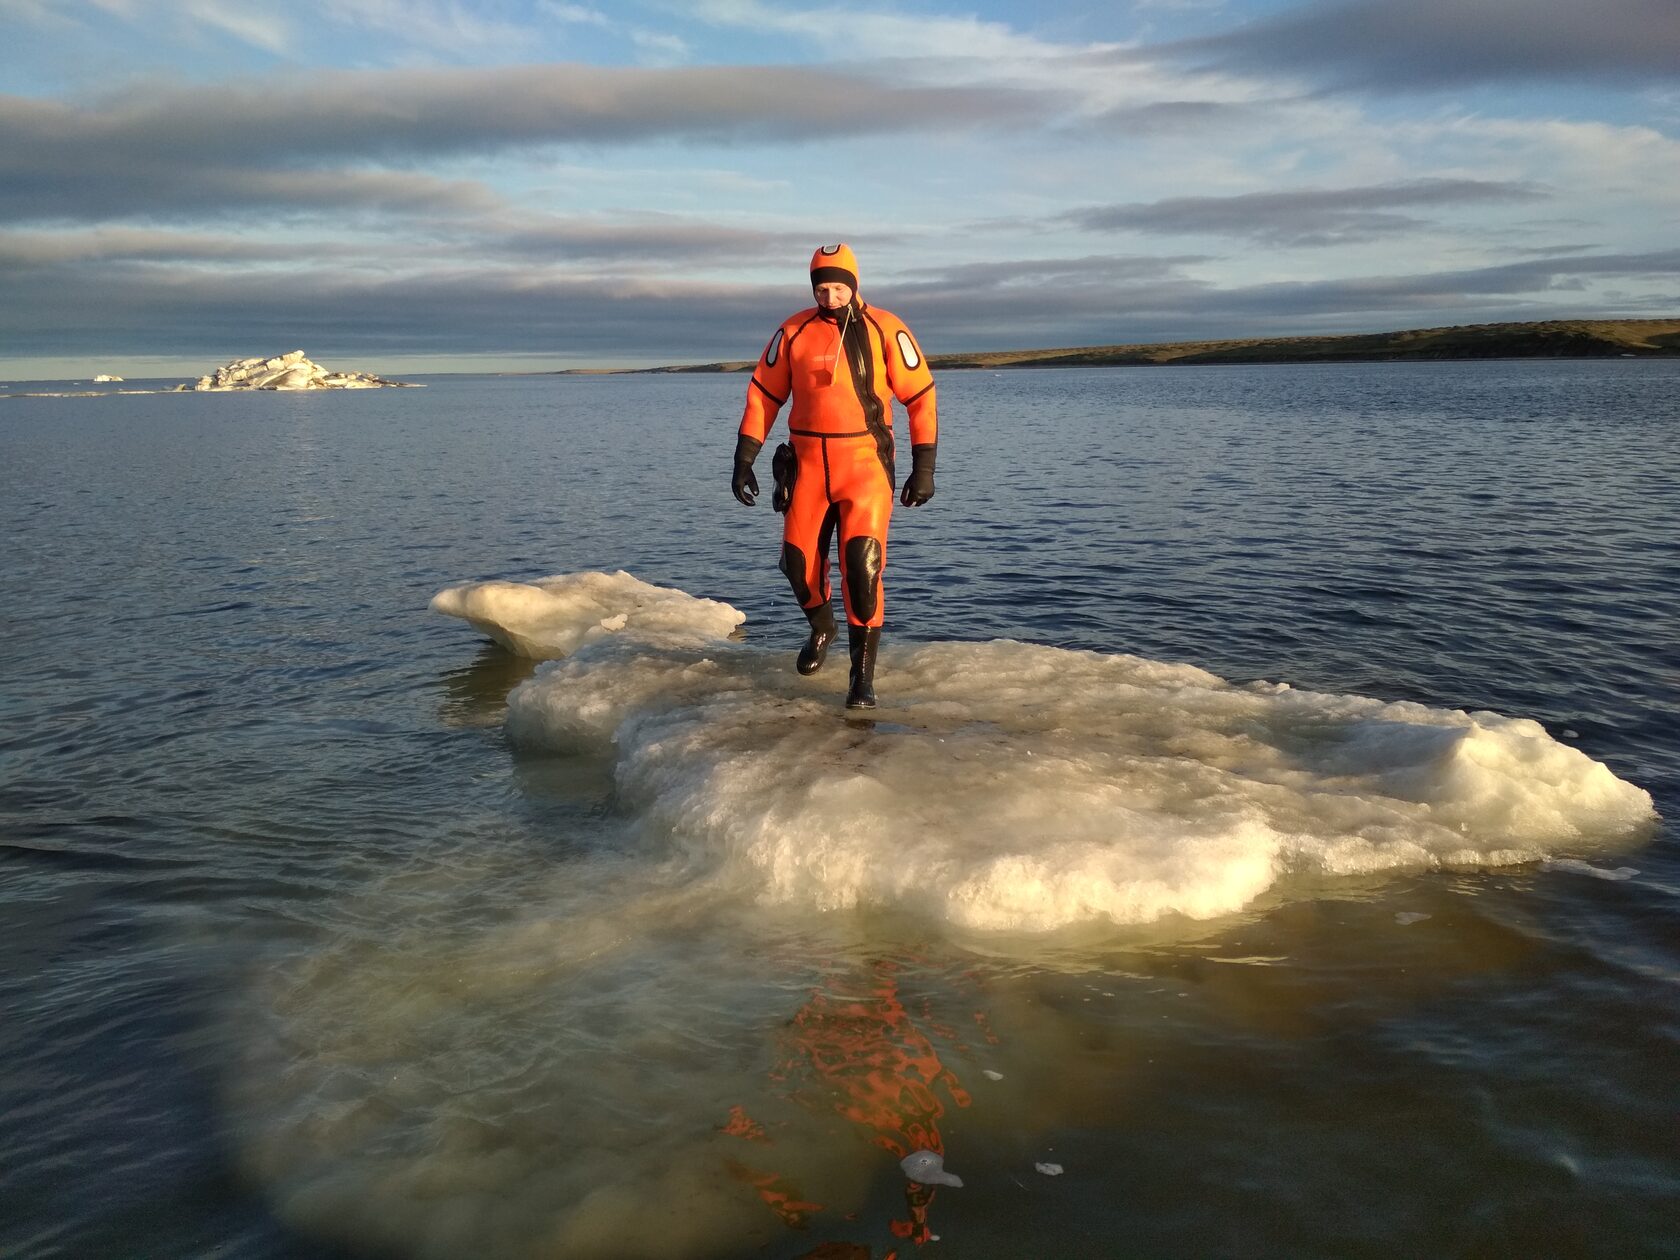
793, 568
863, 576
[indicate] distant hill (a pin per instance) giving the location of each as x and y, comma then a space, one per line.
1551, 339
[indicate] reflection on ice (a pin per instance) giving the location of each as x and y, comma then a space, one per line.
1021, 788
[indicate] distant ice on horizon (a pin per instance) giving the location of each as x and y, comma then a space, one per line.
1014, 787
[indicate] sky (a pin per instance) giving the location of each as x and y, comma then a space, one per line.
525, 185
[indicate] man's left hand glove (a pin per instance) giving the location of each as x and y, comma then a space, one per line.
918, 488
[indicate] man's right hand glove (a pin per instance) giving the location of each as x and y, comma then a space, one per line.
743, 483
918, 488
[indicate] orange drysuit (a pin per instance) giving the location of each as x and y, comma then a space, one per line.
841, 371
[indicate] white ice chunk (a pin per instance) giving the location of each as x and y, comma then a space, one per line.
1011, 787
991, 1075
1049, 1170
554, 616
1408, 917
928, 1168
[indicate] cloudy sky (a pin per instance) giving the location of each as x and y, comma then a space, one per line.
525, 184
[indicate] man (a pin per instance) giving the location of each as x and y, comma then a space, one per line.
841, 363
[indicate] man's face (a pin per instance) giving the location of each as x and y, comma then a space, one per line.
831, 297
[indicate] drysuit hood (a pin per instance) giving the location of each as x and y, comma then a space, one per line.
835, 264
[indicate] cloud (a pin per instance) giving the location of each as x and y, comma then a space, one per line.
961, 49
659, 47
216, 312
575, 14
265, 29
156, 148
636, 245
650, 241
21, 250
440, 25
1169, 118
125, 187
857, 32
1418, 45
1301, 217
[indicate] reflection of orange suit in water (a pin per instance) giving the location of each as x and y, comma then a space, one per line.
841, 370
856, 1050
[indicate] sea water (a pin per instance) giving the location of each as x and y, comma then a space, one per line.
1263, 825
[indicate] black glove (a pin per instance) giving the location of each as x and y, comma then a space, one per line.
785, 465
743, 483
918, 487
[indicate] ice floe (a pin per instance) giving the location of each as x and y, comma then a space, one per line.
555, 616
1014, 787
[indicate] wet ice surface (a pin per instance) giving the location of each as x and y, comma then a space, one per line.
1025, 788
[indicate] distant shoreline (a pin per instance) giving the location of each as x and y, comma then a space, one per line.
1546, 339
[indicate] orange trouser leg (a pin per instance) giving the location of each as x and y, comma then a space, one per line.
841, 487
808, 528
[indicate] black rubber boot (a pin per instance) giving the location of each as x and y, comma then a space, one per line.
823, 630
864, 641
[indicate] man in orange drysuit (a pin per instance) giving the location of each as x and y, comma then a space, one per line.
841, 363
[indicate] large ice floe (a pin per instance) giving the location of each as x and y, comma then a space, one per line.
1013, 787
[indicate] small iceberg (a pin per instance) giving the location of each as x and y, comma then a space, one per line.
554, 616
290, 371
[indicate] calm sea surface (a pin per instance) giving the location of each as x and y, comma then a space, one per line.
304, 959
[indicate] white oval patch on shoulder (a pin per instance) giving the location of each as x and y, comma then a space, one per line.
774, 350
907, 350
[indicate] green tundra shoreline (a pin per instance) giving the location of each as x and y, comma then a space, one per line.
1550, 339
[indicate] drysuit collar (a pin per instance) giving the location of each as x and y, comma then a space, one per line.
838, 314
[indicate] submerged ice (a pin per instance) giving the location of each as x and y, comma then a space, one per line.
1007, 786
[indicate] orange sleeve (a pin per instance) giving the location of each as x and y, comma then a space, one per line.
912, 381
771, 383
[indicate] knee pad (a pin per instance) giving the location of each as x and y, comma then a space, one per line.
863, 576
